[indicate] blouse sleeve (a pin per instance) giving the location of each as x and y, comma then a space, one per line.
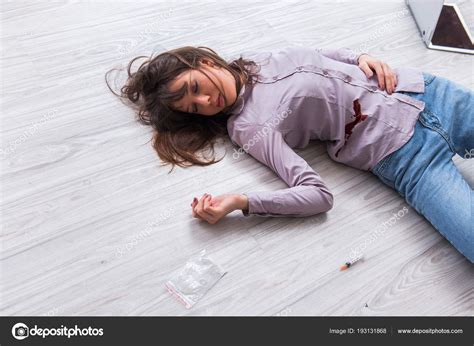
345, 55
307, 193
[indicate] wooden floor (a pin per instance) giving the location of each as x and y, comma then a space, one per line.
93, 225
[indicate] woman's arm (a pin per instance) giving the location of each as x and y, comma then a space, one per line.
307, 193
387, 79
242, 203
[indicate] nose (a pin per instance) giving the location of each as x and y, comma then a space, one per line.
203, 100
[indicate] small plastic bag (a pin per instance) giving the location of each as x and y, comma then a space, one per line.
197, 276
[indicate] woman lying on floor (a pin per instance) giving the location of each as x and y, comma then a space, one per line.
403, 125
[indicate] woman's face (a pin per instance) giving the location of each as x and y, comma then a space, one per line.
203, 97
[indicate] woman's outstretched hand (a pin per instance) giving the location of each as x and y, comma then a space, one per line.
212, 209
386, 77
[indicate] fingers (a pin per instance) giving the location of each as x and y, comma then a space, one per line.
206, 205
201, 209
204, 211
380, 75
387, 78
393, 78
193, 208
198, 207
366, 69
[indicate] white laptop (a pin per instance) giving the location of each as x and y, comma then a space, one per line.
441, 25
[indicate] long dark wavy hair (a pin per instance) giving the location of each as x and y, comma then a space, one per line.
178, 137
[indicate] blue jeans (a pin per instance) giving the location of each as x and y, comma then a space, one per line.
422, 170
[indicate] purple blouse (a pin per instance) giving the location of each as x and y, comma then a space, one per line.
305, 94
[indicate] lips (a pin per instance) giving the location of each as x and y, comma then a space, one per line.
219, 100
